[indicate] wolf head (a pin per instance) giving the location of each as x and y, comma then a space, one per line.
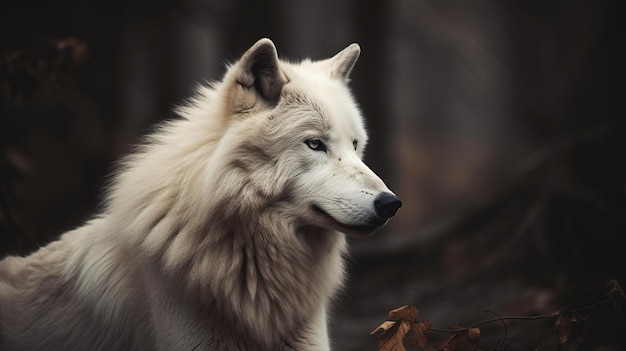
294, 141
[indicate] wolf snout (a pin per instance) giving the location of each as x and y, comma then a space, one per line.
386, 205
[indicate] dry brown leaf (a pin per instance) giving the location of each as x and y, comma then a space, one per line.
474, 334
617, 294
563, 326
614, 288
417, 337
467, 340
393, 338
384, 326
406, 312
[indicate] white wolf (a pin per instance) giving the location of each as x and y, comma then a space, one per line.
223, 232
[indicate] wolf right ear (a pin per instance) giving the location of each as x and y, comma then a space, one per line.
259, 77
342, 63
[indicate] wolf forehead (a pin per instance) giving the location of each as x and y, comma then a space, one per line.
322, 113
318, 106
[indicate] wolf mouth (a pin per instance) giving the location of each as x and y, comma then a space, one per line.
363, 229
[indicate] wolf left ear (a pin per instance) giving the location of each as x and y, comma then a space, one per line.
342, 63
259, 76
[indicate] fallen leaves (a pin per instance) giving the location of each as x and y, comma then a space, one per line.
402, 328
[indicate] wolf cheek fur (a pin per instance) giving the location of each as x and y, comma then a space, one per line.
223, 232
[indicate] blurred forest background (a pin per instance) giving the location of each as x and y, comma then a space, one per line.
498, 123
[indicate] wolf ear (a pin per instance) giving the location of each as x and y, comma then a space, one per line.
258, 77
342, 63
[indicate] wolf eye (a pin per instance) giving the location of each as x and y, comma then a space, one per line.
355, 143
316, 144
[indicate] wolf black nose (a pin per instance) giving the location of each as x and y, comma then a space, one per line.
386, 205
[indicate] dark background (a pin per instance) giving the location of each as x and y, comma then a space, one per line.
498, 123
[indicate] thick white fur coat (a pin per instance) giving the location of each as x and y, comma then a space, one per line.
222, 232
